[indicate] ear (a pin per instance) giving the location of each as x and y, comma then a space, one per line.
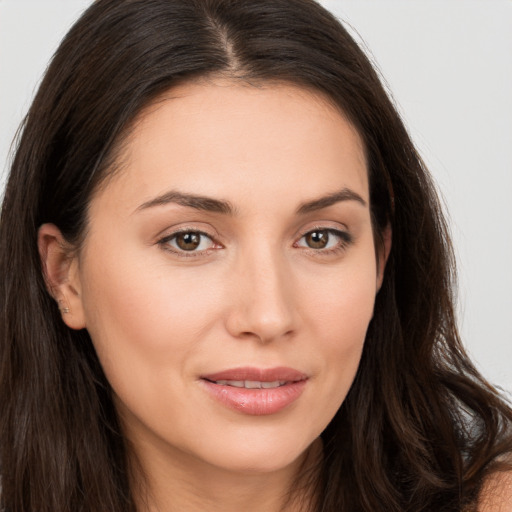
383, 254
61, 273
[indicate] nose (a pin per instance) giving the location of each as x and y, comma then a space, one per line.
263, 302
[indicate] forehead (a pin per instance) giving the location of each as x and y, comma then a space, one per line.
225, 138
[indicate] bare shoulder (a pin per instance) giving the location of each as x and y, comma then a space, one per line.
496, 494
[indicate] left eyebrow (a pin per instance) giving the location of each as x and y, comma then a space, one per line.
345, 194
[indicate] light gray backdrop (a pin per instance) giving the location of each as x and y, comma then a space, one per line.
448, 64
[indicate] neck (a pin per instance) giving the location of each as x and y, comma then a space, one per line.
175, 482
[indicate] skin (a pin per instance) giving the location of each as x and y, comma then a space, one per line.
496, 495
254, 293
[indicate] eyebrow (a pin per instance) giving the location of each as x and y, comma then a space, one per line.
225, 207
204, 203
324, 202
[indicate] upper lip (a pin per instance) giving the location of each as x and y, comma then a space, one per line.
281, 373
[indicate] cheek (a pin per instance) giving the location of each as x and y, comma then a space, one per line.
338, 318
143, 318
341, 301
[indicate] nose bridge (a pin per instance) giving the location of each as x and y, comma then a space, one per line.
264, 303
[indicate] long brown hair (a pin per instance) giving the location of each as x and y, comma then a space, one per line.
420, 427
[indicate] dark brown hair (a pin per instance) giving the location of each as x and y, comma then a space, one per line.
419, 429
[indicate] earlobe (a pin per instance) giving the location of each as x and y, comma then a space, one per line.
60, 268
384, 251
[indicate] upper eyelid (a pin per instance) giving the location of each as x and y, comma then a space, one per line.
322, 227
187, 230
169, 233
301, 233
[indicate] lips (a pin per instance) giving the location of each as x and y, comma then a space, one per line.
256, 391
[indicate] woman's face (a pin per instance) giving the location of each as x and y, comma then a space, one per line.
229, 274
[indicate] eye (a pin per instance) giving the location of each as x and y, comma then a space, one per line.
188, 241
324, 239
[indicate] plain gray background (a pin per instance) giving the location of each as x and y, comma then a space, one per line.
448, 64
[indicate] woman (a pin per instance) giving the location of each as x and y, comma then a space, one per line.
214, 294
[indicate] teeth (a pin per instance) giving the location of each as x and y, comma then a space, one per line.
275, 384
234, 383
251, 384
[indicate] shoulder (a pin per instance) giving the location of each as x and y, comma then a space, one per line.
496, 493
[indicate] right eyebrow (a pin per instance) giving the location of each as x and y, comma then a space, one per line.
197, 202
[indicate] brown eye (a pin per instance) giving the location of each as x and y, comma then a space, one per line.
317, 239
188, 241
325, 240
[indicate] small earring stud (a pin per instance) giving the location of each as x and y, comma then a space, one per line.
63, 309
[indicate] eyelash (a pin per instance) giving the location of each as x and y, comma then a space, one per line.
345, 240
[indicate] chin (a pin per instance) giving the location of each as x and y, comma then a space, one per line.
263, 454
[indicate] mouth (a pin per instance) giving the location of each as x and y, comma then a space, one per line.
256, 391
251, 384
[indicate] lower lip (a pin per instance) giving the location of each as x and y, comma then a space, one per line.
256, 402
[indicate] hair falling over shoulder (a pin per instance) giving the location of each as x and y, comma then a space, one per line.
420, 429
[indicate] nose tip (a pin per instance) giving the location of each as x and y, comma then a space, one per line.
266, 327
263, 306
